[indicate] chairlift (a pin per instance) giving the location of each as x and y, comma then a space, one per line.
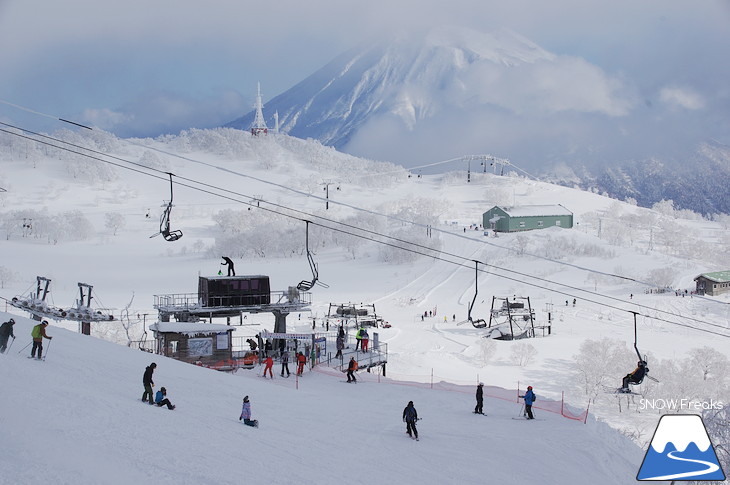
306, 285
479, 323
165, 220
642, 359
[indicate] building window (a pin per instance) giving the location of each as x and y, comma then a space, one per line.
557, 223
540, 224
522, 223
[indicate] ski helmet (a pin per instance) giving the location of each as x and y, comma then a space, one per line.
11, 321
481, 383
163, 389
529, 388
44, 322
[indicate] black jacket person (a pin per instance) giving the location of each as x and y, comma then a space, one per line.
148, 383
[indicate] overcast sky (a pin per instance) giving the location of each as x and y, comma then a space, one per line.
143, 68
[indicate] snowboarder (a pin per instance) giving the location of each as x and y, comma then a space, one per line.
148, 383
410, 416
529, 398
634, 377
351, 368
6, 331
227, 261
480, 399
39, 333
301, 360
285, 362
269, 365
246, 414
161, 399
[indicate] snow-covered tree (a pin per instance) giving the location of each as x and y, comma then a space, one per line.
523, 354
114, 221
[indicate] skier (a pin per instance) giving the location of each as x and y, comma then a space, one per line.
227, 261
634, 377
6, 331
148, 383
285, 362
410, 416
246, 414
351, 368
358, 338
301, 360
480, 399
161, 399
365, 340
269, 365
529, 398
39, 333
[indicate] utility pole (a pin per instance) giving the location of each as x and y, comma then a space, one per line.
327, 193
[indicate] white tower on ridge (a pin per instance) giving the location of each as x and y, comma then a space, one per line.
259, 124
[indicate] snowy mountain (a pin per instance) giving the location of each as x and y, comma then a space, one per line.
450, 91
411, 78
82, 208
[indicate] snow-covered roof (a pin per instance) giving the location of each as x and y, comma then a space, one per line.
189, 328
537, 210
719, 276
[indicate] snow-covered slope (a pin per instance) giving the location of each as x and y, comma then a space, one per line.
326, 430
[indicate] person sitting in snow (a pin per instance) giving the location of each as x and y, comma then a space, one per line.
161, 399
246, 414
634, 377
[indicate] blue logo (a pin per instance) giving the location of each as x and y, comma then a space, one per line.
680, 450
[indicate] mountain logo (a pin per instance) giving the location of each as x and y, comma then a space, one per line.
680, 450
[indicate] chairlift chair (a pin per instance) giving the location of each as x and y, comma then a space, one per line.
165, 220
479, 323
306, 285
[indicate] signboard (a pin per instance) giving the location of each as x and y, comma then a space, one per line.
199, 347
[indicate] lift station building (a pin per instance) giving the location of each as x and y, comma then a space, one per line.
526, 218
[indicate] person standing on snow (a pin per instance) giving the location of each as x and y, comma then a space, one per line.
227, 261
6, 331
301, 361
365, 340
480, 399
358, 338
161, 399
285, 362
340, 345
410, 416
39, 333
269, 361
529, 398
148, 383
351, 368
246, 414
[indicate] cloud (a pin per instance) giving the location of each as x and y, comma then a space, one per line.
551, 86
685, 98
167, 112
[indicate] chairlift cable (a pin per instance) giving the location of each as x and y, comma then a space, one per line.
339, 223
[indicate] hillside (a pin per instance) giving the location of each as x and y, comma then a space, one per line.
610, 262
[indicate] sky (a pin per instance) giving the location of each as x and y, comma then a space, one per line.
141, 69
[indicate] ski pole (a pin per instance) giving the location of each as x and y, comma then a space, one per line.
19, 351
49, 346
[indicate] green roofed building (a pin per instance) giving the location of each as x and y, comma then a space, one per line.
713, 284
526, 218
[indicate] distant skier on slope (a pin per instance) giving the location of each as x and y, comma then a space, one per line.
480, 399
410, 416
529, 398
6, 331
351, 368
39, 333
